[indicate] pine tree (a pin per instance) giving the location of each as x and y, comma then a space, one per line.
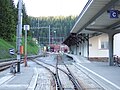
7, 20
25, 20
62, 24
25, 16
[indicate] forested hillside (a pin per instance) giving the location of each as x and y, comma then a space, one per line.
60, 27
8, 19
59, 24
8, 26
8, 23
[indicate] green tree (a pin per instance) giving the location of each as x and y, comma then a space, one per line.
25, 16
7, 20
25, 20
62, 24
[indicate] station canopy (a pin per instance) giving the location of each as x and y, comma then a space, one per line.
98, 16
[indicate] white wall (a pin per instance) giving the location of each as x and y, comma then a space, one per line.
85, 49
94, 50
82, 48
78, 50
74, 49
117, 44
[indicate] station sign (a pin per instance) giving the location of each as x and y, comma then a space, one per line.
12, 51
26, 27
113, 13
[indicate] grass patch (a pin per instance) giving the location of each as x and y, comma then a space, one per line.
4, 49
32, 48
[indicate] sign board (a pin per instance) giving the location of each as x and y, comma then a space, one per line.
113, 13
21, 49
11, 51
26, 27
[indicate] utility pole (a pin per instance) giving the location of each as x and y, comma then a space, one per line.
19, 33
26, 28
47, 27
38, 32
55, 37
50, 30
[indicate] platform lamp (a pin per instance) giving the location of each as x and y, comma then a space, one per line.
26, 28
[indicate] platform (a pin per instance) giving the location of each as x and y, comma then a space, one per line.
32, 75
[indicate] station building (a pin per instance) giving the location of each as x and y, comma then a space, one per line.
96, 31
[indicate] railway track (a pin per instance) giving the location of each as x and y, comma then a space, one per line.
84, 78
69, 74
55, 76
4, 64
71, 77
69, 82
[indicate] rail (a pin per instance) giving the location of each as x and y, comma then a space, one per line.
6, 63
69, 74
55, 77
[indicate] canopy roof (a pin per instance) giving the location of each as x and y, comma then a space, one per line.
96, 17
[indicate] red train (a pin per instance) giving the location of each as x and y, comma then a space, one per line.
58, 48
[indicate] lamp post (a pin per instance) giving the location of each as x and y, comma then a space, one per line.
50, 30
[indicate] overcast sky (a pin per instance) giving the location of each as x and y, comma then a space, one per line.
38, 8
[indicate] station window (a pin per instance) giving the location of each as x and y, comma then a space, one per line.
104, 45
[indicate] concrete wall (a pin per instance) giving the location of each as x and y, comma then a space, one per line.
86, 49
95, 50
94, 46
73, 49
83, 49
